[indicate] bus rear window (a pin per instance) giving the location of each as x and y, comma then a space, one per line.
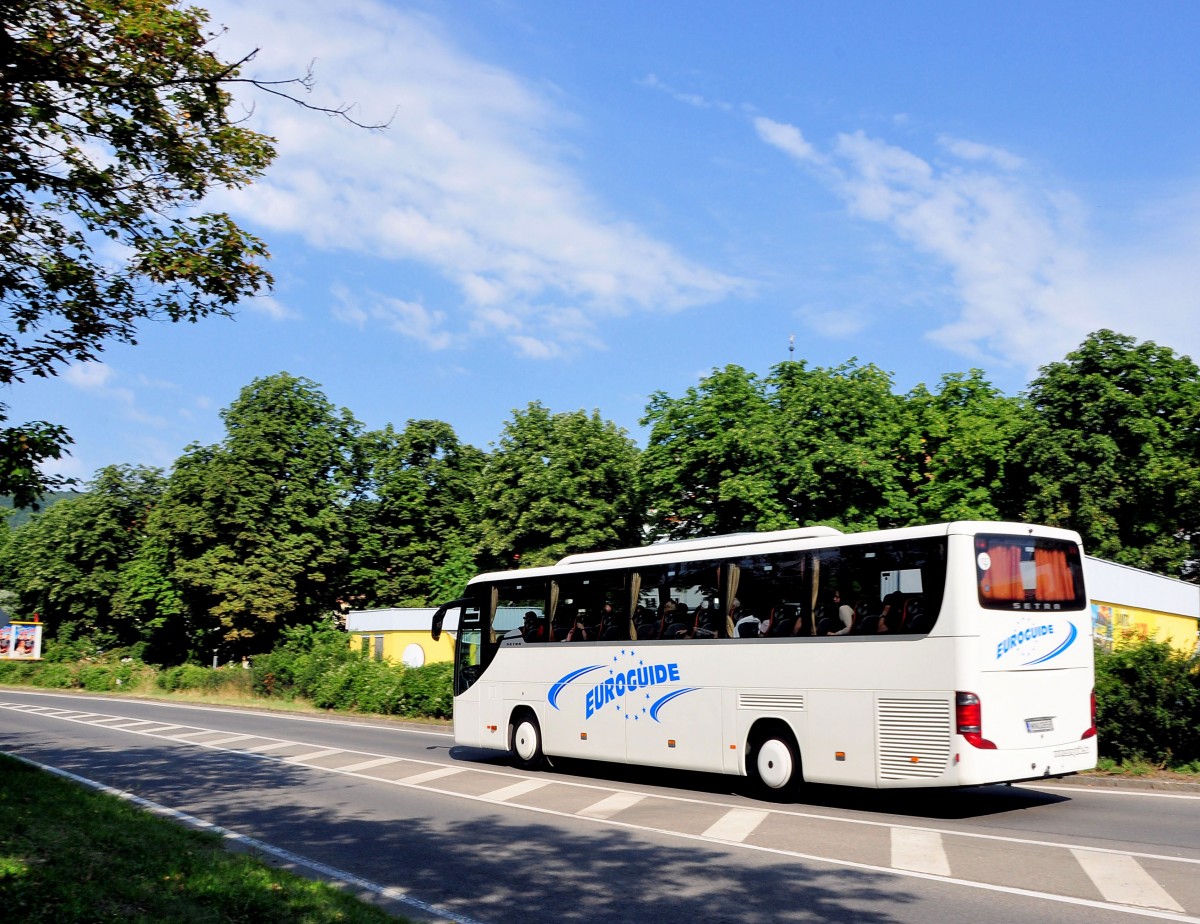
1028, 573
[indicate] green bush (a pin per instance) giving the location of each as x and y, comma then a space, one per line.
428, 690
54, 675
1148, 703
18, 671
299, 664
362, 685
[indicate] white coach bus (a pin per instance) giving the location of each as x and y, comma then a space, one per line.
956, 654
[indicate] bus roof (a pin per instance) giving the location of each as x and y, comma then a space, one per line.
688, 549
706, 542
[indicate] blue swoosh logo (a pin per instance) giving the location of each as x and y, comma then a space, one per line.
574, 675
1057, 651
666, 699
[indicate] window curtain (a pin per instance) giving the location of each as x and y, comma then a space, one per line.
816, 589
635, 589
1003, 580
733, 575
552, 610
1054, 579
493, 601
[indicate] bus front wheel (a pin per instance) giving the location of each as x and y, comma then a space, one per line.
527, 741
774, 764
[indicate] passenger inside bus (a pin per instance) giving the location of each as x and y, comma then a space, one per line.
532, 629
841, 622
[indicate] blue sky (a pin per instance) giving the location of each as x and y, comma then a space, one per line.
585, 203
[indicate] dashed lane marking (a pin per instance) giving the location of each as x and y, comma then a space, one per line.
916, 852
315, 755
736, 825
431, 775
919, 850
367, 764
269, 746
610, 805
516, 789
1121, 879
390, 893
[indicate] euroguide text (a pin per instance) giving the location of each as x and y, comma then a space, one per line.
623, 684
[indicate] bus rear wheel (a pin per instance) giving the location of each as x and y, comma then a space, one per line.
774, 765
527, 741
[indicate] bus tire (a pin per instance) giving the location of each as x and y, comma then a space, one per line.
527, 740
773, 764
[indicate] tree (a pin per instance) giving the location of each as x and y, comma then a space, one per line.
113, 118
65, 564
965, 462
114, 123
22, 451
555, 484
1110, 448
712, 463
847, 445
253, 528
414, 527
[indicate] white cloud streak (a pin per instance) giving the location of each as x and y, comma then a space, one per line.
470, 178
1031, 280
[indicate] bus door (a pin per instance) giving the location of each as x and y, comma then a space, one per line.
670, 695
582, 717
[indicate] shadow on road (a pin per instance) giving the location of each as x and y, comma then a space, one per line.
492, 865
939, 804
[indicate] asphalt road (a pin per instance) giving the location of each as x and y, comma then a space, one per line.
437, 831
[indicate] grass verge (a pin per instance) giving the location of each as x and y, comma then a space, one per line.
69, 854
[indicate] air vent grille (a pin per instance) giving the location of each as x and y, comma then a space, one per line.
914, 738
772, 702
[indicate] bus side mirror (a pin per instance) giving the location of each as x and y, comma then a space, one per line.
440, 616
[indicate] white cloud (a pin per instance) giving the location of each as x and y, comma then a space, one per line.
787, 138
410, 319
470, 177
1030, 279
272, 307
973, 150
88, 376
97, 378
691, 99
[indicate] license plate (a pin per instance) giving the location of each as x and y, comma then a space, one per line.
1044, 724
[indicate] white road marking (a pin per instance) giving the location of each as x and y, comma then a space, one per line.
230, 740
329, 872
610, 805
516, 789
919, 850
270, 746
431, 775
368, 764
736, 825
229, 710
1135, 793
1122, 879
315, 755
603, 810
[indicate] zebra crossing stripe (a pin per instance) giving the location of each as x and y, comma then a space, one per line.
609, 806
1121, 879
736, 825
516, 789
920, 851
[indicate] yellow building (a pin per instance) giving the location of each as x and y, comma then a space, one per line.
1128, 600
401, 634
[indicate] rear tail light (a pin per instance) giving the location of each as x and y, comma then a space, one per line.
1091, 730
968, 715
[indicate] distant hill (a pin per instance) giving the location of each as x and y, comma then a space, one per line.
24, 513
